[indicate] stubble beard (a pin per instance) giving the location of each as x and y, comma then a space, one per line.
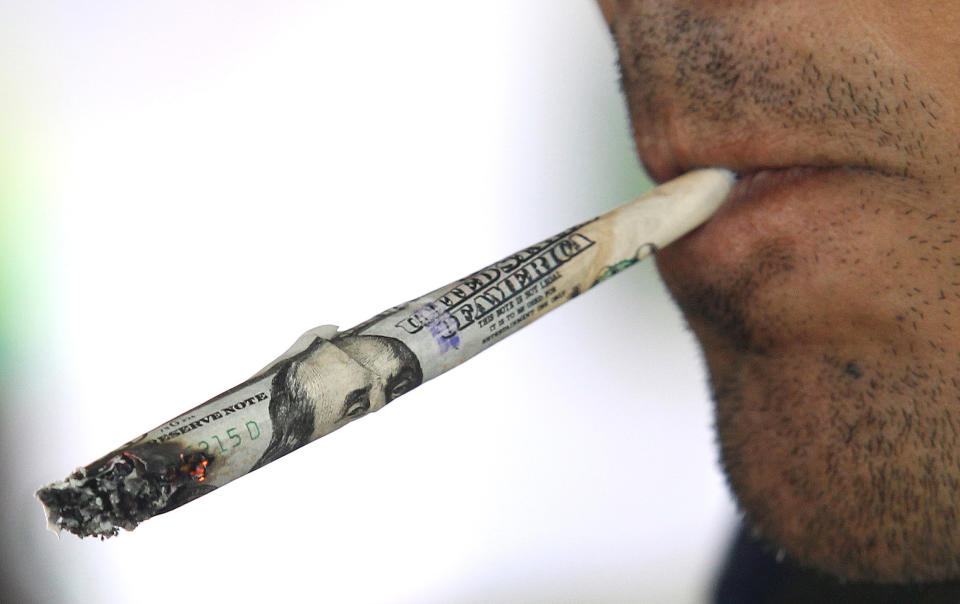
841, 452
833, 407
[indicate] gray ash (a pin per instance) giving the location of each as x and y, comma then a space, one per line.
122, 489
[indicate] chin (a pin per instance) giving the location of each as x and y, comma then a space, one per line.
839, 445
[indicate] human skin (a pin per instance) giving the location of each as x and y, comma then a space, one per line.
826, 292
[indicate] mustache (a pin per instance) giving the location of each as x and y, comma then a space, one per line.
734, 73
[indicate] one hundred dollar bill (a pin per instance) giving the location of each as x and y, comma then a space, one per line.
329, 378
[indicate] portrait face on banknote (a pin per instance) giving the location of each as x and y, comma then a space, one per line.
333, 382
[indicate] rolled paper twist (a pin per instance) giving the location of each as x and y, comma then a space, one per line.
329, 378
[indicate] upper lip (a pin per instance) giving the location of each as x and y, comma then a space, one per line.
667, 157
680, 143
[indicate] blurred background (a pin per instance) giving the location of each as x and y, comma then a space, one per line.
186, 187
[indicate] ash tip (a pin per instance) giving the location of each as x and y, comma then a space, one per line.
88, 506
120, 492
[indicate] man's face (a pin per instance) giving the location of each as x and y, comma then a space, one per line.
826, 292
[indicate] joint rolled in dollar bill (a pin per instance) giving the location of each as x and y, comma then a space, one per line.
328, 378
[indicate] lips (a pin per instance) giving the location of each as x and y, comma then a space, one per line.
777, 195
667, 158
770, 178
755, 185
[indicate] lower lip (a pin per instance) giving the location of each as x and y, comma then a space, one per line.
759, 204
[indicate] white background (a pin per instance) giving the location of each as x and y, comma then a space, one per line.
217, 177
